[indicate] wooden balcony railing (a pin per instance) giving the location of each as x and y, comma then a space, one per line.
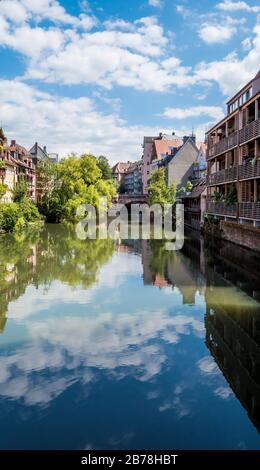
223, 176
249, 210
251, 170
245, 210
225, 144
249, 132
221, 208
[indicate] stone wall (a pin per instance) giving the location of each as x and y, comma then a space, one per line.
243, 235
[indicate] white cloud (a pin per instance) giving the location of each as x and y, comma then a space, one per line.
133, 54
247, 44
215, 112
23, 10
183, 11
229, 5
214, 33
221, 32
155, 3
223, 392
67, 124
208, 366
232, 73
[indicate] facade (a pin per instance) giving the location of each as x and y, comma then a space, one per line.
16, 163
128, 176
200, 165
133, 179
180, 165
119, 170
233, 160
155, 150
183, 159
40, 154
195, 205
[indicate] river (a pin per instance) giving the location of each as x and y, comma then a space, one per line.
123, 345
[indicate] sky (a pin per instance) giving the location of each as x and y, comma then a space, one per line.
96, 76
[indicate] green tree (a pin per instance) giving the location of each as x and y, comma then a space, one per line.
158, 191
79, 181
105, 168
3, 189
20, 190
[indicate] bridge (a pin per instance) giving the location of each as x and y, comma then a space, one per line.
128, 199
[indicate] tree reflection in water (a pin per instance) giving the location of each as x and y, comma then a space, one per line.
39, 258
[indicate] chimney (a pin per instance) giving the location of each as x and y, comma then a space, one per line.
13, 143
173, 133
45, 149
160, 134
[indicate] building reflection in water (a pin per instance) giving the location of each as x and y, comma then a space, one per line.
225, 275
228, 278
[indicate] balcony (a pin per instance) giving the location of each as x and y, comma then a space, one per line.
224, 145
249, 132
196, 209
220, 208
249, 210
223, 176
251, 170
244, 210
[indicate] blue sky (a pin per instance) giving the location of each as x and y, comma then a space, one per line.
95, 76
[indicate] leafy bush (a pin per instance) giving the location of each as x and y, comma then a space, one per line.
20, 190
15, 216
9, 215
29, 210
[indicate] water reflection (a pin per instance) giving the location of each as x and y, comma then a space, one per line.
92, 325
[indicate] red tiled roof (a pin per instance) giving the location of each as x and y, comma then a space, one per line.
164, 146
121, 167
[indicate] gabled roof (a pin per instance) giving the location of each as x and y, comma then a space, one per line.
14, 147
188, 141
165, 146
121, 167
38, 152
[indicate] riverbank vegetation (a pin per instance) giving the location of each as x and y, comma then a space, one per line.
62, 188
19, 214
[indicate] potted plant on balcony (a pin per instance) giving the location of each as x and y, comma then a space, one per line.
218, 197
231, 198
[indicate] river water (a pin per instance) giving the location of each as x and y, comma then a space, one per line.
108, 345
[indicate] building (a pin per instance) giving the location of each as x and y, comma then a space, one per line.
119, 170
181, 164
200, 165
182, 158
128, 176
133, 179
195, 205
39, 154
16, 163
155, 149
233, 161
